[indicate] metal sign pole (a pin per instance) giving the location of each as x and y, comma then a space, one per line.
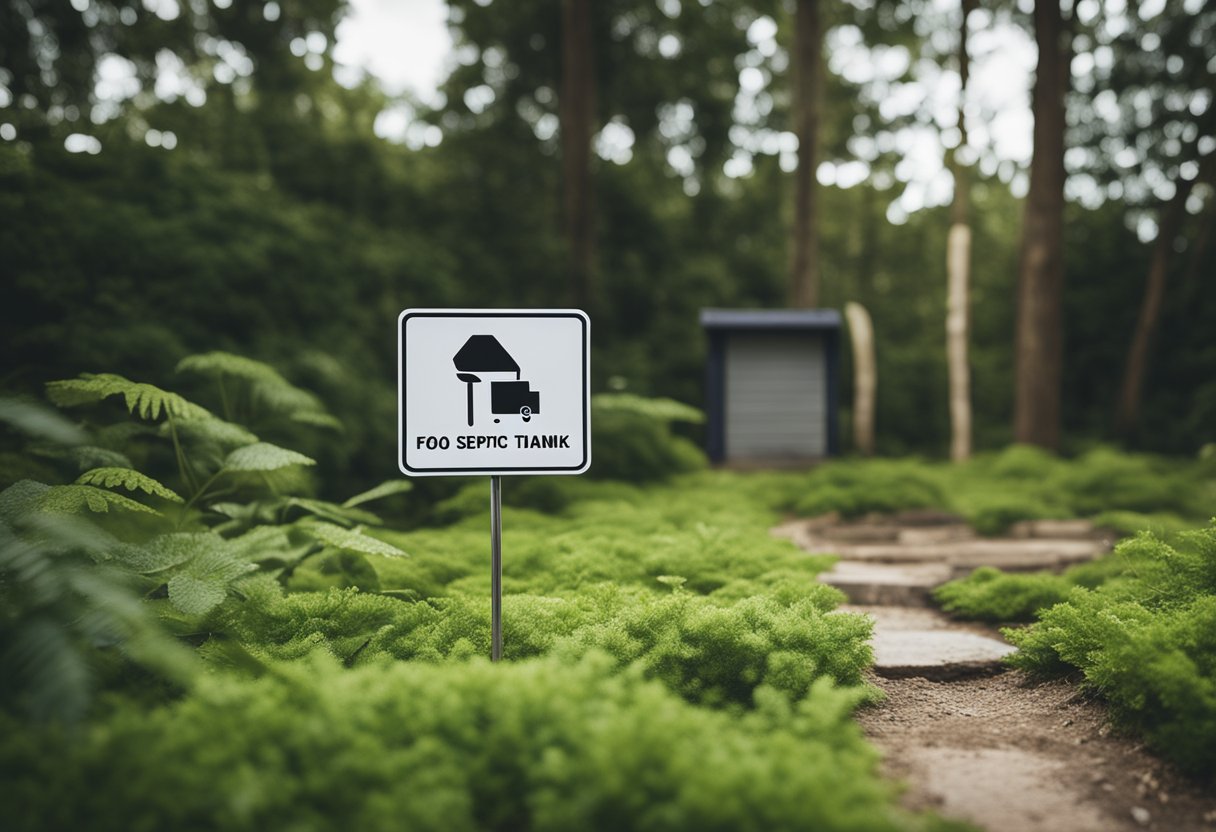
496, 567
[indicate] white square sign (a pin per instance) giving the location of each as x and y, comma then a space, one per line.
493, 391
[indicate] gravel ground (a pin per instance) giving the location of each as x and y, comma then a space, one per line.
1013, 755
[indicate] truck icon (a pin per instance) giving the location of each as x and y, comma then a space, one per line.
483, 354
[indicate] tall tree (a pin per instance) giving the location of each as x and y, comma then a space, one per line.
1169, 225
576, 113
1039, 335
804, 239
958, 270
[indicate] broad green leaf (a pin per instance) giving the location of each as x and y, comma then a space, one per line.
213, 430
342, 515
169, 550
384, 489
39, 422
317, 419
195, 596
352, 540
262, 456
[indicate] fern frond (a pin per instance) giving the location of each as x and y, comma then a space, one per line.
384, 489
148, 400
266, 385
664, 410
352, 540
128, 479
262, 456
72, 499
218, 363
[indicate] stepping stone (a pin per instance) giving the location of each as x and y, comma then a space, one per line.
938, 655
1058, 529
1013, 555
905, 585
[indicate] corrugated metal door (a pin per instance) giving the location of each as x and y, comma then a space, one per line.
776, 396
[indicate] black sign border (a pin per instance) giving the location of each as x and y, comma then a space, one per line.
584, 323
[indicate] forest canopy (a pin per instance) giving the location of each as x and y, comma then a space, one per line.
188, 176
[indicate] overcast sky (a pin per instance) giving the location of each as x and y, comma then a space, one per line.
405, 43
401, 42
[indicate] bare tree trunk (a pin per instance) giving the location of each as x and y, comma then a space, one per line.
1172, 216
865, 376
576, 114
1039, 348
958, 272
804, 241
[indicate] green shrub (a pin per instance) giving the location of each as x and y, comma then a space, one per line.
537, 745
1146, 640
856, 487
1105, 479
989, 594
632, 439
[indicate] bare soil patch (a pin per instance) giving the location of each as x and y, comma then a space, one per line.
1014, 755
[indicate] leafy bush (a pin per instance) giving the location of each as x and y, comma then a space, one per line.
856, 487
632, 438
989, 594
1146, 640
993, 491
544, 744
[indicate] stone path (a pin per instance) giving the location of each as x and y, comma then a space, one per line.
970, 739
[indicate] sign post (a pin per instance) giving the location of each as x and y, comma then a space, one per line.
493, 392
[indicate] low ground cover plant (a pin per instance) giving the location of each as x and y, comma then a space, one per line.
1122, 491
1139, 626
192, 638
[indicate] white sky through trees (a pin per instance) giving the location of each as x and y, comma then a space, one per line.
406, 45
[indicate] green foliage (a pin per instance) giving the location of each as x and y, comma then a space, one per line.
72, 499
659, 409
1123, 491
261, 385
632, 439
147, 400
989, 594
128, 479
1146, 640
351, 540
70, 617
39, 422
384, 489
856, 487
545, 744
262, 456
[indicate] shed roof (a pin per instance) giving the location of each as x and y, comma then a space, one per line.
807, 320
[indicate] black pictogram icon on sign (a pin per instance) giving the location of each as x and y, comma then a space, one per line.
483, 354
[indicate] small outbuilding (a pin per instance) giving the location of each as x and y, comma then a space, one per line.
771, 385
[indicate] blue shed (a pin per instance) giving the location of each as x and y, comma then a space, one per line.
771, 384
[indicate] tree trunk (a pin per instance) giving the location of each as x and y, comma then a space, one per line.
1039, 347
865, 376
804, 240
1170, 222
958, 272
576, 114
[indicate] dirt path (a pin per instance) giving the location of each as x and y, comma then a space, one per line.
969, 739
